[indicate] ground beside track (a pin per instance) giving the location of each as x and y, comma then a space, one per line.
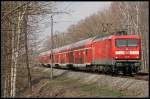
77, 84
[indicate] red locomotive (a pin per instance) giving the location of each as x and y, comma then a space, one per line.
114, 53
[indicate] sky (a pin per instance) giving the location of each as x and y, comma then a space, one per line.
78, 11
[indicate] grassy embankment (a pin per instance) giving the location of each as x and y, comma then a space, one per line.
62, 86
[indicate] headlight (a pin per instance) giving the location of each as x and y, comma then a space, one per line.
120, 52
134, 52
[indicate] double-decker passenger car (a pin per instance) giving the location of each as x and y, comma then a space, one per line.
114, 54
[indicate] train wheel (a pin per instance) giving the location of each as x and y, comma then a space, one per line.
42, 65
130, 69
92, 69
105, 69
48, 65
87, 68
96, 69
57, 66
112, 70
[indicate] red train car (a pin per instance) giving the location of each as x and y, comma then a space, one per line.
44, 58
115, 53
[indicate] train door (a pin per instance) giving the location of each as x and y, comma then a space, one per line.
67, 56
81, 57
59, 58
71, 57
88, 56
85, 55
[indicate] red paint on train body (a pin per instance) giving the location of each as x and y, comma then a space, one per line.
99, 51
110, 50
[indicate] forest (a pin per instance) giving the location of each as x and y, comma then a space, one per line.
20, 30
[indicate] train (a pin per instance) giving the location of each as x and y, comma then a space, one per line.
115, 54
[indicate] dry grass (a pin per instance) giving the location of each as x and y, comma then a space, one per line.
61, 86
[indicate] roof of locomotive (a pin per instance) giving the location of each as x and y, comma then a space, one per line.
127, 36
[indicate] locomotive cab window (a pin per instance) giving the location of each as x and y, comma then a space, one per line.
126, 42
132, 43
121, 43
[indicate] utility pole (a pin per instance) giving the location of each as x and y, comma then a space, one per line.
128, 16
51, 46
137, 16
52, 42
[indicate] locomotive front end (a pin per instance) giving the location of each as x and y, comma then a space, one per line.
127, 54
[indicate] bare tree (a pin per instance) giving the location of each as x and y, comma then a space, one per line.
19, 33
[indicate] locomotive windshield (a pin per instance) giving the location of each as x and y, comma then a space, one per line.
126, 42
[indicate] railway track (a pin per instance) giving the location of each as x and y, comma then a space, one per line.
139, 76
136, 76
